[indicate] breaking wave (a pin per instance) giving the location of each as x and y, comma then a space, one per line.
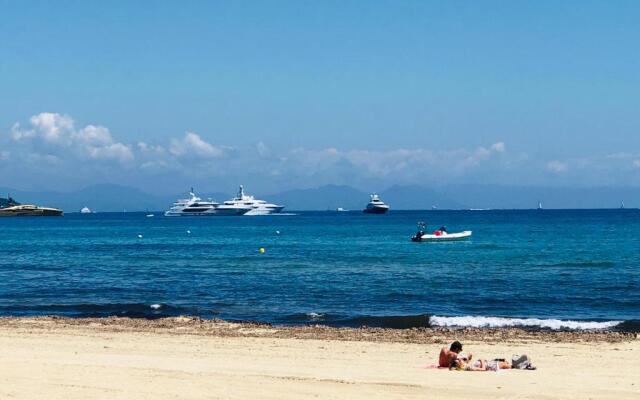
500, 322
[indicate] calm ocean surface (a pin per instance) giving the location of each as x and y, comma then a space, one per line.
519, 268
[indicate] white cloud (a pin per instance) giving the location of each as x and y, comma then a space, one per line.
399, 164
144, 147
93, 135
51, 127
636, 163
50, 131
40, 159
113, 151
263, 150
557, 166
498, 147
193, 144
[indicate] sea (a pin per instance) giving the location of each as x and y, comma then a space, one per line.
539, 269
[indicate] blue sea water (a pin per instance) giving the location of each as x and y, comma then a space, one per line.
551, 268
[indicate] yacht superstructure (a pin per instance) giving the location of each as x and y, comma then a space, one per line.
376, 206
195, 206
258, 207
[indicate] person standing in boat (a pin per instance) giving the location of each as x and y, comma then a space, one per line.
422, 226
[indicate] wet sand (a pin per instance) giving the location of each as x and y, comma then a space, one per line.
190, 358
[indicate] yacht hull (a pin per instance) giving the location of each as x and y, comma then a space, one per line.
212, 213
375, 210
37, 212
265, 210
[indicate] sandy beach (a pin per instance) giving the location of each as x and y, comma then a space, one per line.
188, 358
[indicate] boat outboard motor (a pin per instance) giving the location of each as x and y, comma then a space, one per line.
420, 233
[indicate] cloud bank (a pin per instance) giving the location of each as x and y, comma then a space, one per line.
57, 149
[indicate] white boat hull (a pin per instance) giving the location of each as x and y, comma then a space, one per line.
265, 210
442, 237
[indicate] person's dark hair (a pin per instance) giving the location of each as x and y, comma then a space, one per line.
456, 346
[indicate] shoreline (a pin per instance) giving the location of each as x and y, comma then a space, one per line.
189, 358
192, 325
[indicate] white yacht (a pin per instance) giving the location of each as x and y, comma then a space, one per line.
258, 207
195, 206
85, 210
376, 206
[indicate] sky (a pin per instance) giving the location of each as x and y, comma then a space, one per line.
295, 94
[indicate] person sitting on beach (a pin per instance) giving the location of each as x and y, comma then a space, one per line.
447, 356
479, 365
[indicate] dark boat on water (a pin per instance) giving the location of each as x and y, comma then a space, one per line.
11, 208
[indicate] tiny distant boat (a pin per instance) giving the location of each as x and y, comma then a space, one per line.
539, 205
340, 209
376, 206
150, 215
85, 210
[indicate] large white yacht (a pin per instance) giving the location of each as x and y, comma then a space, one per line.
376, 206
195, 206
258, 207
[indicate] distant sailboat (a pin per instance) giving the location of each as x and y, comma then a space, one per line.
622, 205
539, 205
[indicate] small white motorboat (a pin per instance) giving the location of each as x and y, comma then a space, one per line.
439, 236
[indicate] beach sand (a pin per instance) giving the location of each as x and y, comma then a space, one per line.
188, 358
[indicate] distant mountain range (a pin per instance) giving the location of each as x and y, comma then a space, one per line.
109, 197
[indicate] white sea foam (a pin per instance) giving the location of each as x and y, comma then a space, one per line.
313, 315
498, 322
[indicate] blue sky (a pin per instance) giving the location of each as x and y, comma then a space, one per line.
163, 95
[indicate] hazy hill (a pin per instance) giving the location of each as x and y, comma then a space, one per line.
327, 197
499, 196
415, 197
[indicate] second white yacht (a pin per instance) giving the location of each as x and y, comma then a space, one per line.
376, 206
195, 206
258, 207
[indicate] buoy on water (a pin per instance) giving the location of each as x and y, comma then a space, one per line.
262, 250
139, 236
188, 232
